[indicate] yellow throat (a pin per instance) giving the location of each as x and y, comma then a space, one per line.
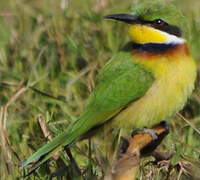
145, 34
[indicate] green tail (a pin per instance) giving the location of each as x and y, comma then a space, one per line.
78, 129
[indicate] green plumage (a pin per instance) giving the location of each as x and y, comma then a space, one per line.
119, 83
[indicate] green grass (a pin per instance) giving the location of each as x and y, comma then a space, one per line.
50, 53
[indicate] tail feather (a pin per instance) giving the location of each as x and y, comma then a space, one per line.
78, 129
43, 159
45, 152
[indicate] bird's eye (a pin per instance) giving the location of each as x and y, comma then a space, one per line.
159, 22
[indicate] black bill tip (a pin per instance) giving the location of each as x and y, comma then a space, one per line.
127, 18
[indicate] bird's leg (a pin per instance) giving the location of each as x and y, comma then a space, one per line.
151, 137
161, 129
157, 133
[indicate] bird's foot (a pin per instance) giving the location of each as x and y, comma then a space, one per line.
146, 131
146, 139
157, 133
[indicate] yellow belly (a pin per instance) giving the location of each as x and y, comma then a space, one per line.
175, 76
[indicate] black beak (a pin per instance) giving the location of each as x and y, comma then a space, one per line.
127, 18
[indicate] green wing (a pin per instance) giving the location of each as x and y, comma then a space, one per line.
119, 83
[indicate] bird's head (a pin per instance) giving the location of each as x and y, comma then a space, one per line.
155, 23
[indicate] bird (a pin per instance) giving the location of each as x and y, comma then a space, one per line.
147, 81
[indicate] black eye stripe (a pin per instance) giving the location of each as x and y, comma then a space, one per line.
174, 30
163, 26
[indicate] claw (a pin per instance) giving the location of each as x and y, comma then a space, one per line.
146, 131
165, 125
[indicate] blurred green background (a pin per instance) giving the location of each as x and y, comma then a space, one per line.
50, 53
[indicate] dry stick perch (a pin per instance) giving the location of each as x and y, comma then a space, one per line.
141, 144
47, 134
